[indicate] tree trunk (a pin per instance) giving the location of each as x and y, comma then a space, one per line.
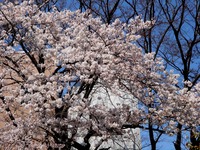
151, 136
177, 144
195, 141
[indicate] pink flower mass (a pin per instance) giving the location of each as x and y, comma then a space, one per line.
54, 67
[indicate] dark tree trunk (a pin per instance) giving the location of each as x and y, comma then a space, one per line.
177, 144
151, 136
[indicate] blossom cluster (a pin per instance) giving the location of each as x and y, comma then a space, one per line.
55, 65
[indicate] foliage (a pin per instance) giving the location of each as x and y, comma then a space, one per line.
54, 67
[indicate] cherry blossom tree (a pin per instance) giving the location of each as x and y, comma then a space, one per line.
174, 36
54, 66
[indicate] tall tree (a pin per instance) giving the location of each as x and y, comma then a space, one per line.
169, 22
175, 35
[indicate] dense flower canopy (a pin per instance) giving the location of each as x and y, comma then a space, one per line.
54, 65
